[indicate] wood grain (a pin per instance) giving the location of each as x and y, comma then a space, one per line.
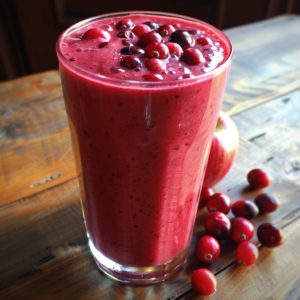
263, 68
35, 152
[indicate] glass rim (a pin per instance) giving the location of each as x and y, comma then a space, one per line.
123, 82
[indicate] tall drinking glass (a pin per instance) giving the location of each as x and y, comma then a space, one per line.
141, 150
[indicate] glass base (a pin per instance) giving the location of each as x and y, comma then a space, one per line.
138, 275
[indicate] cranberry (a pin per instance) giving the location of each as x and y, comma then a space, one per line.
131, 62
141, 29
103, 44
153, 77
246, 253
218, 225
157, 50
148, 38
116, 69
125, 51
136, 50
204, 282
192, 56
241, 230
127, 43
245, 209
205, 194
269, 235
131, 50
203, 40
218, 202
208, 249
155, 65
96, 33
152, 25
182, 38
125, 24
174, 48
165, 30
126, 34
258, 178
266, 203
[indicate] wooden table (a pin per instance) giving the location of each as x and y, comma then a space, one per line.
43, 245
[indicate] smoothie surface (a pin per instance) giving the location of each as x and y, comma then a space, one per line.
104, 55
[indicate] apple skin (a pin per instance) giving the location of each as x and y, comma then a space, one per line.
223, 150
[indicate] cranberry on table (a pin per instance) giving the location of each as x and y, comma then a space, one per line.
131, 62
155, 65
269, 235
148, 38
125, 24
153, 77
96, 33
174, 48
152, 25
246, 253
205, 194
266, 203
218, 202
241, 230
258, 178
182, 37
165, 30
208, 249
203, 40
245, 209
204, 282
140, 29
157, 50
192, 56
218, 225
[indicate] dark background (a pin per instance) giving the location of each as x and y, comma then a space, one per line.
30, 28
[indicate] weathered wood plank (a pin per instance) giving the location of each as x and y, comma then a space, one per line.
35, 152
264, 67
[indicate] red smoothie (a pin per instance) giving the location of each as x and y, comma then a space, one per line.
142, 101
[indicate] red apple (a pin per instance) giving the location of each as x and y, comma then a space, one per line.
223, 150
